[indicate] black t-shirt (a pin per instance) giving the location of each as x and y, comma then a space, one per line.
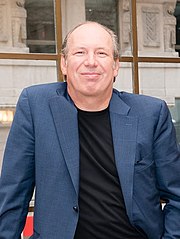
102, 209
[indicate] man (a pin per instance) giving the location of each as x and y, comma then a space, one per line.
100, 160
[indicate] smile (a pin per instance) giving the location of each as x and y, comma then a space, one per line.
90, 74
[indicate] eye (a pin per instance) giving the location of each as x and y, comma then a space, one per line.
102, 53
79, 53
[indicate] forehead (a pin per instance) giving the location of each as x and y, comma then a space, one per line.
90, 34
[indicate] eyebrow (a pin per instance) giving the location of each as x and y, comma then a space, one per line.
84, 48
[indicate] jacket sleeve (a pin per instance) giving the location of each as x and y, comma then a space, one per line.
17, 176
167, 158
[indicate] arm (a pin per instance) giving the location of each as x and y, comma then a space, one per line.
17, 176
167, 158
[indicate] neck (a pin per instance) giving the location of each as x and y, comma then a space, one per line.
90, 103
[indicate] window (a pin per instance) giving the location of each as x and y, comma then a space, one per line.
40, 26
104, 12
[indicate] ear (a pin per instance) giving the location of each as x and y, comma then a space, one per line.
116, 66
63, 65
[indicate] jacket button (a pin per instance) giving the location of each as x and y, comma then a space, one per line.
75, 208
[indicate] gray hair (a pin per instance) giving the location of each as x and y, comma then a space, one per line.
64, 50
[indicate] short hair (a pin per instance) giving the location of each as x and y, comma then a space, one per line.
64, 49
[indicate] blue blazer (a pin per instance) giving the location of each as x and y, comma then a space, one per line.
42, 151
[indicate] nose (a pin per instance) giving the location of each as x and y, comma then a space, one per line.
90, 60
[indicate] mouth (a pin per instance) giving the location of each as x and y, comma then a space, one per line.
91, 75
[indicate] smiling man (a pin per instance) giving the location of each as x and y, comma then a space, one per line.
101, 160
90, 66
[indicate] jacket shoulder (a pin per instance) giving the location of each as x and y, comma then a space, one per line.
142, 104
49, 87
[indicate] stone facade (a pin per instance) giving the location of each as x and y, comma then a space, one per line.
156, 28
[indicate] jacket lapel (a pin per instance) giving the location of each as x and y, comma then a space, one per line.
65, 120
124, 131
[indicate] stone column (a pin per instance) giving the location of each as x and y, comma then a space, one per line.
73, 13
3, 22
125, 27
169, 26
13, 26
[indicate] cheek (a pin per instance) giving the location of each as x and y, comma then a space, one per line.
73, 67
